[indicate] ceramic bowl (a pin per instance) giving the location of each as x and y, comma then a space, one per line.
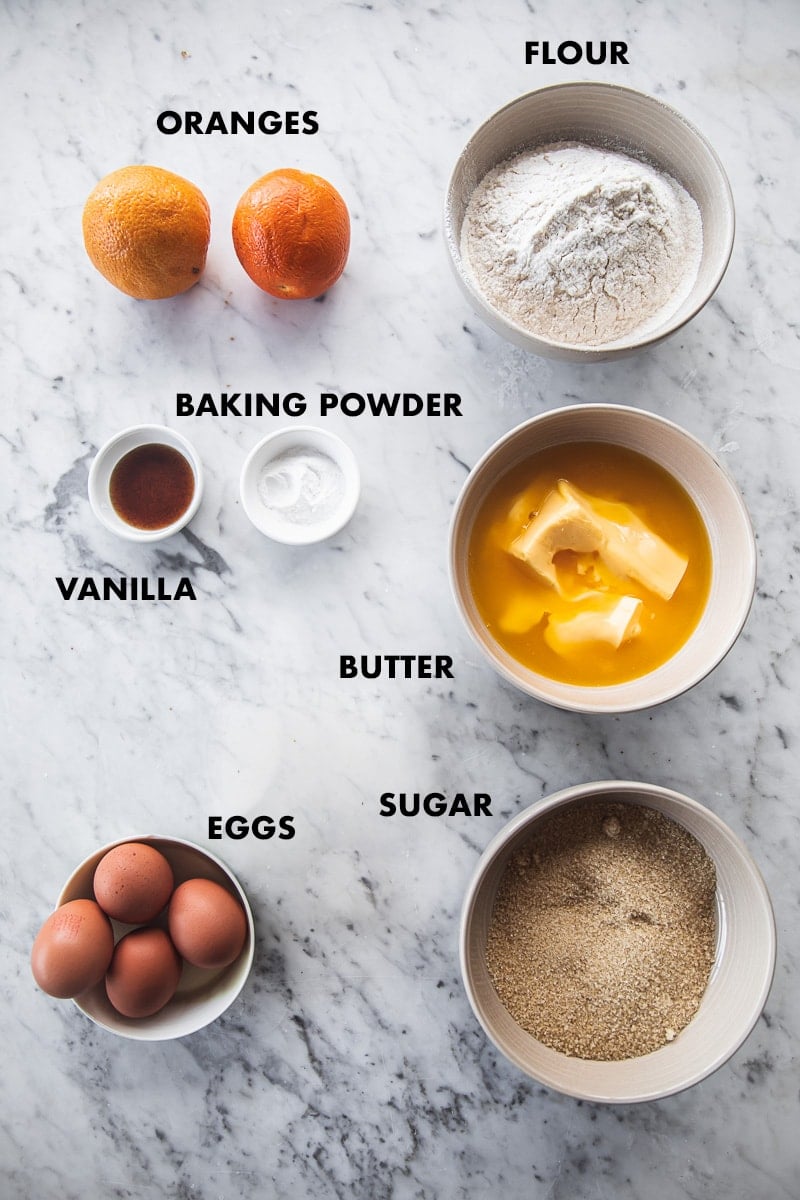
202, 995
614, 118
272, 522
721, 507
737, 989
107, 458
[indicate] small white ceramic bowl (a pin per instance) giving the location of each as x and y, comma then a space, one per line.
737, 990
202, 995
107, 458
270, 521
733, 549
614, 118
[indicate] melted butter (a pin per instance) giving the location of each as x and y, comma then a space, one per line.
590, 564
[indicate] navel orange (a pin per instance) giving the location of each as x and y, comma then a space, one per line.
291, 232
147, 231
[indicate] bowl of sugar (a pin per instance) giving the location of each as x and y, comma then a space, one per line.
617, 942
586, 221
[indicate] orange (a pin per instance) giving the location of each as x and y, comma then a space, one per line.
291, 232
147, 231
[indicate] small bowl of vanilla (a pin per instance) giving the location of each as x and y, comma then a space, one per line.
586, 221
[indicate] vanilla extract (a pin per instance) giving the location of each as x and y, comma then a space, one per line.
151, 486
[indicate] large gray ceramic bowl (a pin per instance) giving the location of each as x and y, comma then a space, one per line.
737, 989
616, 118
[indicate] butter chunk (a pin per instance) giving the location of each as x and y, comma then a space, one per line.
635, 551
563, 522
569, 520
612, 621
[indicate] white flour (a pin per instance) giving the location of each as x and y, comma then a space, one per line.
581, 245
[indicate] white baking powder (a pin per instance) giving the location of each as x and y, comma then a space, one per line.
302, 485
581, 245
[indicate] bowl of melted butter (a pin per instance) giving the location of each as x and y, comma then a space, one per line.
601, 558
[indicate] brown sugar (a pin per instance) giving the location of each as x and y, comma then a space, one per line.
603, 932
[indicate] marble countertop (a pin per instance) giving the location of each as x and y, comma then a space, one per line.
352, 1065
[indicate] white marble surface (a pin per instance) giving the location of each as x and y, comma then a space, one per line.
352, 1064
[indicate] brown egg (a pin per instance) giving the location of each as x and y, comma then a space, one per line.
72, 949
144, 973
133, 882
206, 923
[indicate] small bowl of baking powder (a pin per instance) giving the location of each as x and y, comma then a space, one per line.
586, 221
300, 485
617, 942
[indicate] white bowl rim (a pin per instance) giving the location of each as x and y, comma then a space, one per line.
604, 695
140, 1032
587, 791
518, 332
156, 435
303, 535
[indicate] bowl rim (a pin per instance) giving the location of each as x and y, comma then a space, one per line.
571, 700
140, 1031
622, 788
517, 333
160, 435
301, 535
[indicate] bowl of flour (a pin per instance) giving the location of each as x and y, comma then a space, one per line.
586, 221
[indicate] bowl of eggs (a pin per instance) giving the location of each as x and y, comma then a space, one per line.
601, 558
151, 937
585, 221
